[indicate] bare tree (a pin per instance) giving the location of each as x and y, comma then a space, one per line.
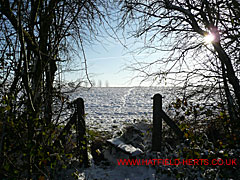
36, 38
178, 28
99, 83
106, 83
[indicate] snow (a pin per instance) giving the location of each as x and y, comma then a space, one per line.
109, 109
128, 148
121, 173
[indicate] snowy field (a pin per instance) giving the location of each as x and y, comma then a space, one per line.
108, 109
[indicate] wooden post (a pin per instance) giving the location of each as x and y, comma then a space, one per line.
81, 133
157, 123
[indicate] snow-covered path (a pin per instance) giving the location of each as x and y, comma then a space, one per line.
126, 97
122, 173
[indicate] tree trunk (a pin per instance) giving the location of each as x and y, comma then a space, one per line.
233, 80
231, 109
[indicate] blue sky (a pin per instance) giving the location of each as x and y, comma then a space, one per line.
107, 61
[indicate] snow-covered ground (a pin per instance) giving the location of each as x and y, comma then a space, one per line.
108, 109
122, 173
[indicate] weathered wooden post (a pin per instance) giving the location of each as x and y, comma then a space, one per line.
157, 123
81, 133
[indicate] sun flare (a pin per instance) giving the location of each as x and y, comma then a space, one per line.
209, 38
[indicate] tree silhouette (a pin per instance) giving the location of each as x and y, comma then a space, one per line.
179, 28
37, 39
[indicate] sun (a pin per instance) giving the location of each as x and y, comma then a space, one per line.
209, 38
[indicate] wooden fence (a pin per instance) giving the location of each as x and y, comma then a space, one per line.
78, 118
